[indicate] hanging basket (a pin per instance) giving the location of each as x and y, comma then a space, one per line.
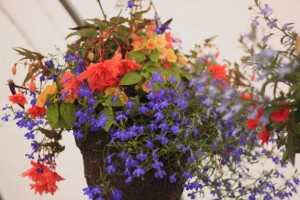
147, 187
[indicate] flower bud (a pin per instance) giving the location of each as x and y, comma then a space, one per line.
14, 69
32, 86
90, 56
297, 46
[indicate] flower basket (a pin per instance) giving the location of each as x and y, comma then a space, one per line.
147, 188
149, 120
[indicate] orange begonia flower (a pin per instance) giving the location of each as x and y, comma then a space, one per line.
151, 44
41, 99
171, 55
51, 89
138, 44
160, 41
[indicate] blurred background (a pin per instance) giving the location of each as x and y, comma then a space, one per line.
41, 25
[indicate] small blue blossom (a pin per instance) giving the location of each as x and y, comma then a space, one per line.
78, 134
157, 77
29, 135
141, 156
70, 57
138, 171
172, 179
49, 63
5, 118
116, 194
160, 173
266, 10
121, 117
159, 116
111, 169
129, 179
130, 4
163, 139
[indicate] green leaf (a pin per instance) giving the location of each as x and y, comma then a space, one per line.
110, 118
178, 78
186, 75
83, 33
117, 102
136, 56
292, 144
52, 113
50, 133
67, 111
297, 114
158, 86
154, 56
152, 69
28, 54
131, 78
99, 23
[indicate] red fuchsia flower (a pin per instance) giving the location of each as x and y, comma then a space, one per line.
36, 111
264, 136
45, 179
218, 71
70, 85
18, 98
253, 123
103, 74
281, 114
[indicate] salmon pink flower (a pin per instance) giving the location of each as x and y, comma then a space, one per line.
103, 74
280, 115
138, 43
218, 71
36, 111
18, 98
128, 66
